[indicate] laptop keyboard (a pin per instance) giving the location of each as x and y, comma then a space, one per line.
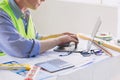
54, 65
57, 62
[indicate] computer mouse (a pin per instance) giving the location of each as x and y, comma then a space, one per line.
65, 45
61, 48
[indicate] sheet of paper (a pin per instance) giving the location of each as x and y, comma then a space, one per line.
8, 75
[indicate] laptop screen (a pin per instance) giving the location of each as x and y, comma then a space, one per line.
94, 32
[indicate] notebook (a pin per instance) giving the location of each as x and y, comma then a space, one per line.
55, 65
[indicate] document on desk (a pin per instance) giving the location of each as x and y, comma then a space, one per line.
8, 75
43, 75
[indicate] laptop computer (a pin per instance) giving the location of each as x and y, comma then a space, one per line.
94, 32
55, 65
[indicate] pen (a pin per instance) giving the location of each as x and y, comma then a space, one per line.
14, 66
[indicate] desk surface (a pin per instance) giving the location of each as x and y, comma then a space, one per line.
80, 62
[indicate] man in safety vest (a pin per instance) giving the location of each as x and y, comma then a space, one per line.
17, 34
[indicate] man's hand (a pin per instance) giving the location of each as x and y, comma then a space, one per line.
67, 39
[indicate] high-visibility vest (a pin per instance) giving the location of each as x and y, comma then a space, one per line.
18, 23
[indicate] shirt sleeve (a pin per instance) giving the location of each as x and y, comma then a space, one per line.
38, 36
12, 43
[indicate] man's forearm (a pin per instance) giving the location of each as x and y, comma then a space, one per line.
48, 44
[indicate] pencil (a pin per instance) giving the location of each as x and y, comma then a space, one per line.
14, 66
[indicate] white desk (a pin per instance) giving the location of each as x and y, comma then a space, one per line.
100, 67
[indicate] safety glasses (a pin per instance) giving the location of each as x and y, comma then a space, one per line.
97, 52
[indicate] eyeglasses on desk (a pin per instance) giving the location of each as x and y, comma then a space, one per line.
84, 53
